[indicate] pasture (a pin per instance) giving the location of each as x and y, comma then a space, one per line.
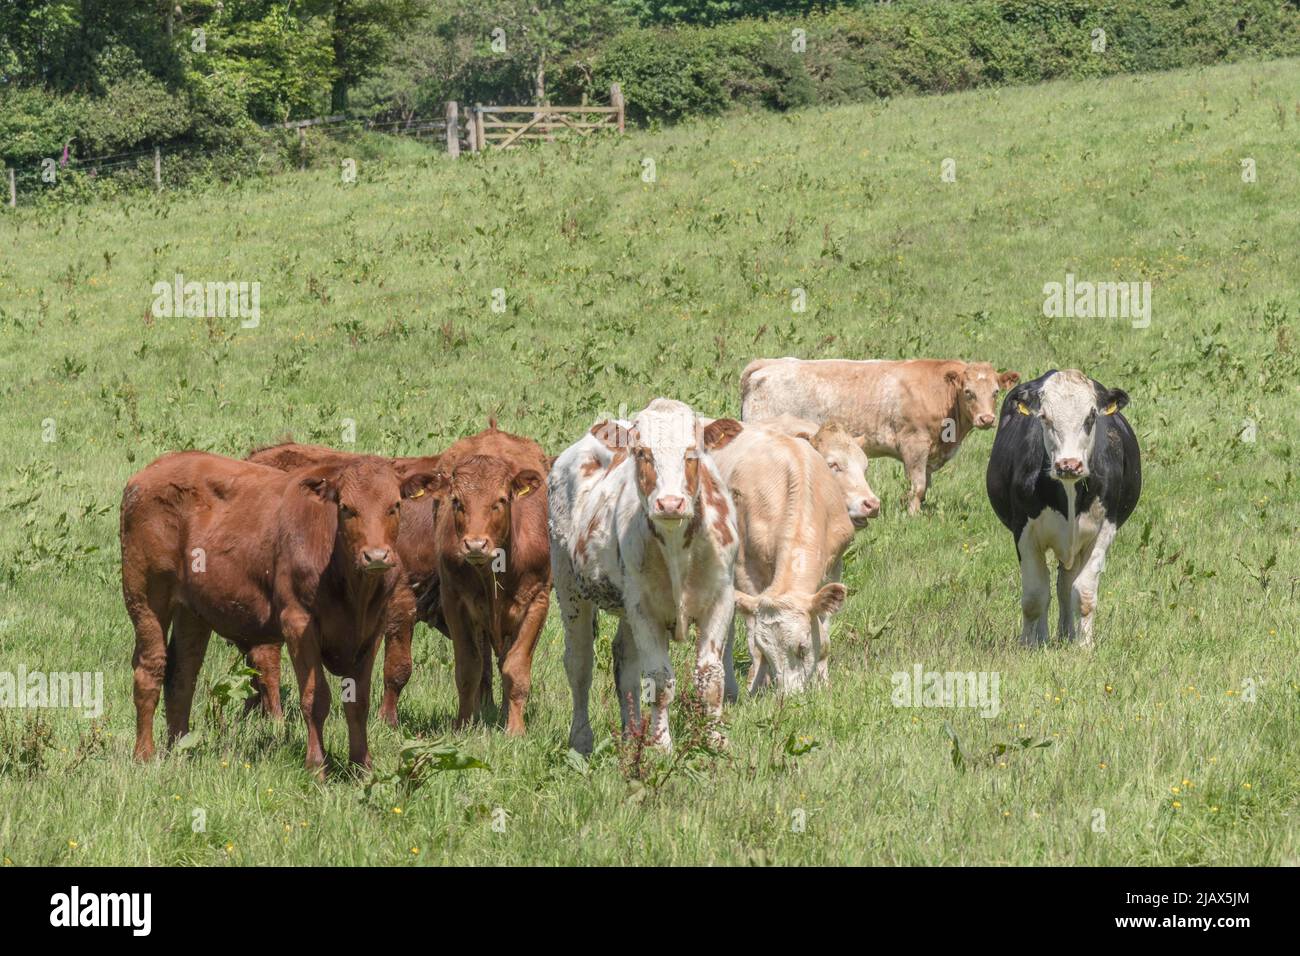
1172, 742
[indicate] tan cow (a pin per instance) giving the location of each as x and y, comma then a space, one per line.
845, 457
793, 533
916, 411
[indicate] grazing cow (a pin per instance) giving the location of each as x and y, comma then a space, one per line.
415, 597
918, 411
642, 526
845, 457
1064, 475
260, 556
494, 567
793, 534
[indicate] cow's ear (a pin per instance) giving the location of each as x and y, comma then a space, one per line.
321, 487
1113, 400
1007, 379
829, 599
525, 482
614, 436
1024, 400
954, 377
415, 486
747, 604
861, 441
719, 433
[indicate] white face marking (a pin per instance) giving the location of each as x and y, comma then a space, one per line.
668, 430
1068, 411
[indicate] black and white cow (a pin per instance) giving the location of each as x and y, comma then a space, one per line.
1064, 474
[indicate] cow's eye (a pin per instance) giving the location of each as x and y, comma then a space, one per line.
455, 503
394, 508
346, 512
835, 466
969, 393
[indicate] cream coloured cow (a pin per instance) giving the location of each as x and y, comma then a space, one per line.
844, 455
917, 411
793, 534
642, 526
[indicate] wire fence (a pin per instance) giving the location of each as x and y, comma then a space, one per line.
456, 130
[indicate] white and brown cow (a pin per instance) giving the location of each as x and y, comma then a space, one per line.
1065, 473
918, 411
642, 526
793, 534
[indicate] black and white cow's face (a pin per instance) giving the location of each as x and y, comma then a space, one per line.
1069, 404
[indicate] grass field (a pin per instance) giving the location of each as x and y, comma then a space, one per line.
1172, 742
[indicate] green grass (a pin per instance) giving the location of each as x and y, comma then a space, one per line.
376, 307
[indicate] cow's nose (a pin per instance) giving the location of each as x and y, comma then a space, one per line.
376, 558
670, 506
475, 546
984, 421
870, 507
1069, 467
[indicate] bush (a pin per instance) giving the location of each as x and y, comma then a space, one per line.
923, 46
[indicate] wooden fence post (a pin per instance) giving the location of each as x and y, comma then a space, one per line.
302, 146
479, 131
157, 168
616, 100
13, 190
453, 130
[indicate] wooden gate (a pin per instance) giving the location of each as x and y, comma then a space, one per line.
502, 127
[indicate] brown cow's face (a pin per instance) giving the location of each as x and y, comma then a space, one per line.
978, 386
483, 491
368, 497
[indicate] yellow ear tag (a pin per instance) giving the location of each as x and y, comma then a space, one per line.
418, 494
1022, 408
1110, 409
527, 488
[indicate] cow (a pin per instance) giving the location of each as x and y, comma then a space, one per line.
917, 411
844, 456
642, 526
306, 558
1064, 476
415, 597
494, 567
794, 531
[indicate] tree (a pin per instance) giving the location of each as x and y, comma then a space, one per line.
361, 32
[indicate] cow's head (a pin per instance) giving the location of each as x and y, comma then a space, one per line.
847, 460
483, 489
977, 386
366, 495
792, 632
665, 443
1068, 404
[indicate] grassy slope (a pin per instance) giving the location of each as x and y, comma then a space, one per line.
375, 301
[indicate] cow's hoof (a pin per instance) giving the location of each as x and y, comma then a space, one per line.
582, 740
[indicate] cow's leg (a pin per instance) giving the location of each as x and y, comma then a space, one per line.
627, 678
650, 638
467, 647
731, 690
486, 701
916, 464
1035, 592
313, 687
517, 668
710, 679
265, 659
357, 709
150, 612
189, 644
397, 650
1084, 592
760, 674
1066, 608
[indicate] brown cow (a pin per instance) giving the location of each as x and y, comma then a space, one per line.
494, 567
415, 597
260, 556
917, 411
